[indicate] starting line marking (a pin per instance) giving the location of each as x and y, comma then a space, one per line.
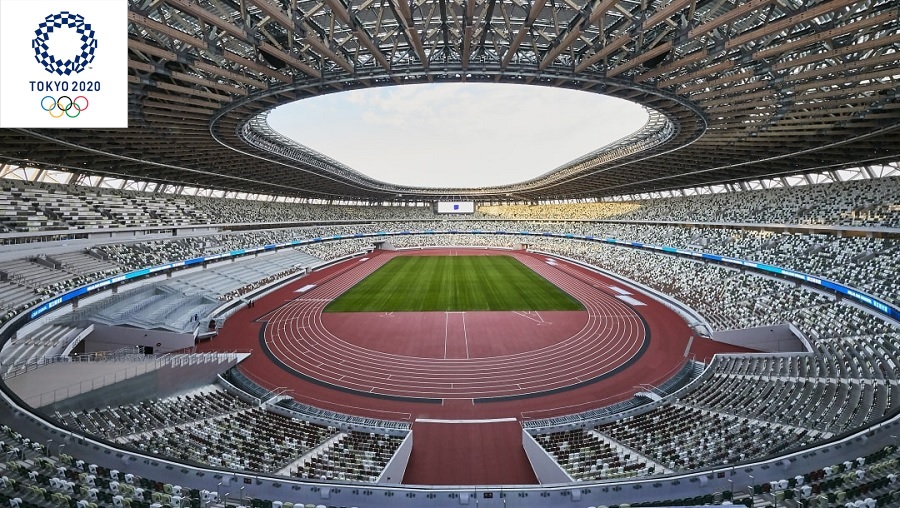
492, 420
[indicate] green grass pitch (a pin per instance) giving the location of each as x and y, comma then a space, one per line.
453, 283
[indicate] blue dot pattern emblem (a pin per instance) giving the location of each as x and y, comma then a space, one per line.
83, 57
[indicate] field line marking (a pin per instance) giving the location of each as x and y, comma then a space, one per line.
487, 420
465, 334
446, 332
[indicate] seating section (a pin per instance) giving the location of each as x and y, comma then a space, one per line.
132, 256
211, 426
853, 203
354, 456
866, 263
86, 263
685, 438
27, 206
699, 284
585, 455
567, 211
47, 276
129, 209
15, 298
37, 479
235, 279
867, 482
179, 304
159, 307
251, 439
32, 274
673, 437
828, 404
24, 282
45, 342
688, 373
755, 407
148, 415
32, 477
227, 211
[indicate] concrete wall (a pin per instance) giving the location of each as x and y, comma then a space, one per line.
155, 384
108, 338
771, 339
396, 468
58, 381
545, 468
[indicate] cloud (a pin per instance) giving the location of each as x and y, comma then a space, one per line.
457, 135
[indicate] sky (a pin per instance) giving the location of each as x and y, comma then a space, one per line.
457, 134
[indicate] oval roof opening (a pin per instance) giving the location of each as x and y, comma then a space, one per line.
457, 134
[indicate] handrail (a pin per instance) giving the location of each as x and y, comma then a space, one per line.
125, 354
146, 363
601, 410
396, 418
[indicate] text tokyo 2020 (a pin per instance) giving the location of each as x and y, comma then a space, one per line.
65, 86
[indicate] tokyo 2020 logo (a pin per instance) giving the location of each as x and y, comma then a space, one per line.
69, 63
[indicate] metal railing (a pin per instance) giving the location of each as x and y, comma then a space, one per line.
143, 364
131, 354
672, 381
258, 389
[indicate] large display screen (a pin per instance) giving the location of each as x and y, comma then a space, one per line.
455, 207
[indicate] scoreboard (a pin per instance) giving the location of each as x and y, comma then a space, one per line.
454, 207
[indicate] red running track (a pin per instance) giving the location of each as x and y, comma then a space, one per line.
469, 453
612, 335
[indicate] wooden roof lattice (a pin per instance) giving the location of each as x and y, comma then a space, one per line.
735, 89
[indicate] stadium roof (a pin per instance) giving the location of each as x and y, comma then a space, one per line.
736, 90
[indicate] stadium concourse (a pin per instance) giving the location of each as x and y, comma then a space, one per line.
464, 386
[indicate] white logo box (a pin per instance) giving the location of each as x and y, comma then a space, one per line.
63, 64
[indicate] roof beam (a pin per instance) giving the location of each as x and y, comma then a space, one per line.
533, 13
787, 22
291, 59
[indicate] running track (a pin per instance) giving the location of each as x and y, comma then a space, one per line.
613, 335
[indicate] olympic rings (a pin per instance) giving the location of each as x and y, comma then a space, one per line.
64, 105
